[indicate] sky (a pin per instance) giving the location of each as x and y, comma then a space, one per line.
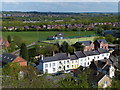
60, 0
61, 6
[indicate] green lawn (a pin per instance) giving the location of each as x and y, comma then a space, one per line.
29, 37
72, 41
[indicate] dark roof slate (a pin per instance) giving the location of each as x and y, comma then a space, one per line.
102, 40
101, 50
79, 54
6, 57
86, 43
90, 53
73, 57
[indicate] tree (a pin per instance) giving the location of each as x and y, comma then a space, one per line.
18, 40
96, 38
24, 52
12, 47
109, 38
71, 82
12, 70
9, 38
64, 46
78, 46
70, 49
98, 30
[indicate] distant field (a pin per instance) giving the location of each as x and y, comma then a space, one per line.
29, 37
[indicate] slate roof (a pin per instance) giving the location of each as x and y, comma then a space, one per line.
59, 35
90, 53
73, 57
86, 43
102, 40
6, 57
48, 59
79, 54
58, 56
101, 50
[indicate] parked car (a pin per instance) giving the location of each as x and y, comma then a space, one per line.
67, 71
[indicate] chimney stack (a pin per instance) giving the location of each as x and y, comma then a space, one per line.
42, 57
53, 53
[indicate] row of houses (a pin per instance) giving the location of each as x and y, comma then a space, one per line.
62, 26
65, 61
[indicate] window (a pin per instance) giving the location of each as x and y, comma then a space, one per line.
72, 66
59, 67
81, 59
64, 62
103, 55
46, 65
72, 61
76, 61
53, 64
68, 61
88, 63
53, 69
105, 82
84, 64
98, 56
60, 62
88, 58
11, 59
50, 64
94, 57
67, 66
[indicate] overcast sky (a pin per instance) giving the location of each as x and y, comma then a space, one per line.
60, 0
61, 6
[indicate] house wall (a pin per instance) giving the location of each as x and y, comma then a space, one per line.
74, 64
105, 78
50, 67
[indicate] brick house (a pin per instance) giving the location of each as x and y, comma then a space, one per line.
101, 43
8, 58
4, 43
88, 45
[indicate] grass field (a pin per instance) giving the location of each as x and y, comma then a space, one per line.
29, 37
71, 41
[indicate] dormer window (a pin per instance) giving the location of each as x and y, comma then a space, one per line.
7, 57
4, 56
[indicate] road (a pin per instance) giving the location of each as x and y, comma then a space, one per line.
17, 51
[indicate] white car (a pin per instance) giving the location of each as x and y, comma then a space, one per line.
67, 71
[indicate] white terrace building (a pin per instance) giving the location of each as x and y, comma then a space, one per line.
64, 61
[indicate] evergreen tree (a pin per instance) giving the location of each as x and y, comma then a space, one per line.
9, 38
24, 52
64, 46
